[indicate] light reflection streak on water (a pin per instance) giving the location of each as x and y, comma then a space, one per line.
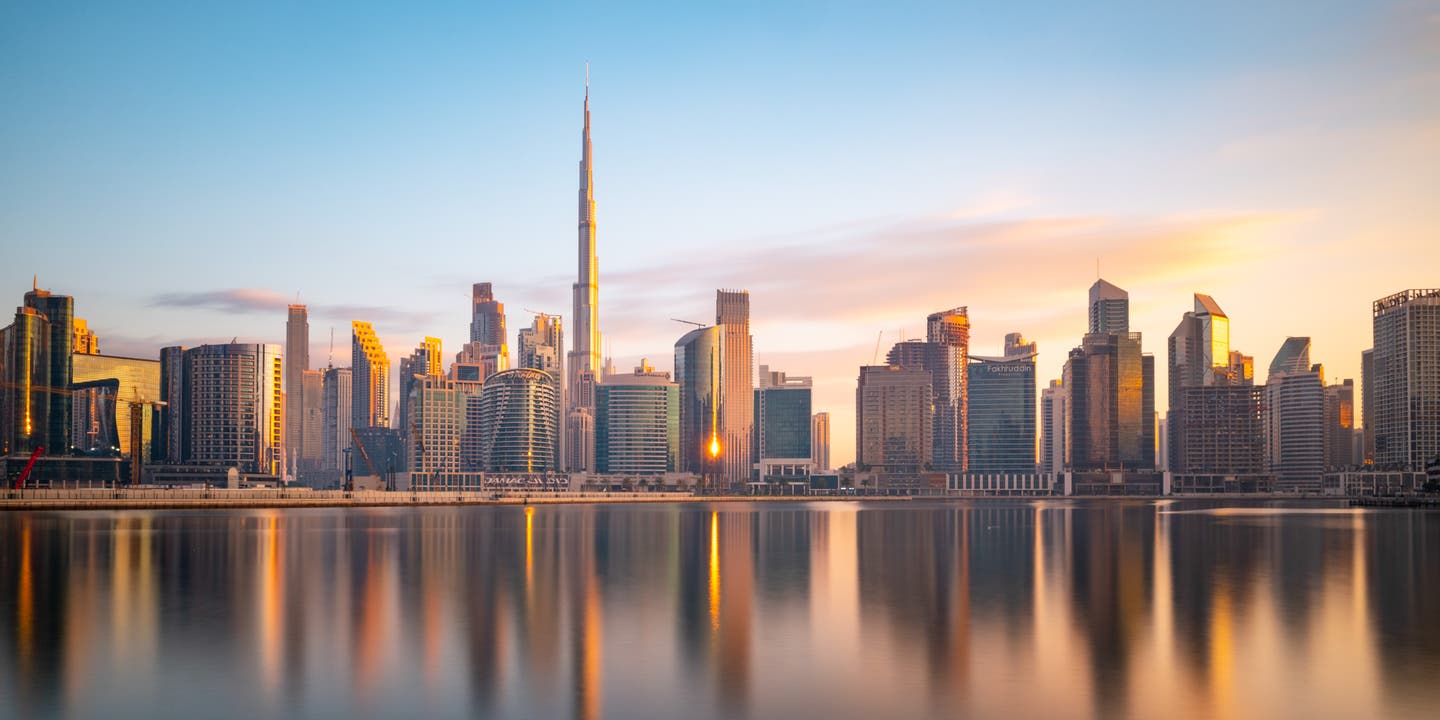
714, 572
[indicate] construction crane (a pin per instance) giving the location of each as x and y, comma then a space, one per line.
541, 313
137, 421
875, 359
354, 436
689, 322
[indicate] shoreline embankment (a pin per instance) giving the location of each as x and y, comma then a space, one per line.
264, 498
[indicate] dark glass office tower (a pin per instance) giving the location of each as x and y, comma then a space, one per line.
1002, 414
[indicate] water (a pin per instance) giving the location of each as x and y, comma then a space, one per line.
794, 610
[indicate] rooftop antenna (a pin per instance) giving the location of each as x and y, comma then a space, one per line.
331, 360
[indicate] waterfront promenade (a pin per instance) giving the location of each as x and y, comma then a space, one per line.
219, 498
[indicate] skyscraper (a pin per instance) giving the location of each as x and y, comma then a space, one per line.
1001, 401
945, 355
86, 342
1200, 356
894, 423
1340, 425
35, 368
698, 357
514, 418
542, 346
782, 445
1406, 376
637, 423
1110, 404
171, 444
584, 363
732, 316
231, 415
337, 416
820, 441
1367, 398
1109, 309
423, 362
437, 429
312, 426
1052, 428
297, 361
487, 316
1295, 418
370, 378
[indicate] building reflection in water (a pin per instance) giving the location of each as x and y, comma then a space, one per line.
834, 609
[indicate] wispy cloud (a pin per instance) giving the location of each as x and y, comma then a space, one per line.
261, 301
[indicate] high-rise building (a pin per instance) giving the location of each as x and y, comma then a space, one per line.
514, 418
1224, 430
1109, 309
637, 423
338, 394
312, 426
542, 346
35, 368
1295, 418
86, 342
370, 378
1367, 412
104, 387
170, 446
232, 409
584, 361
437, 428
1340, 425
948, 334
25, 393
945, 355
297, 361
698, 358
820, 441
1052, 428
894, 423
1110, 404
1001, 401
1200, 356
487, 316
425, 361
737, 385
781, 443
1406, 376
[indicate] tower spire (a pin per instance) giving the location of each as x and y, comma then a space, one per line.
583, 367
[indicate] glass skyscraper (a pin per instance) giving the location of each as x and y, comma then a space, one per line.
782, 439
737, 383
1002, 411
698, 357
100, 422
637, 423
945, 355
35, 364
515, 422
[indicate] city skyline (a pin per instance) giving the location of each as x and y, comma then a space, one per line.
1279, 221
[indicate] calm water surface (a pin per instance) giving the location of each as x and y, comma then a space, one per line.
1050, 609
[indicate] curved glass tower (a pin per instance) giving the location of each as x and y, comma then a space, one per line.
516, 422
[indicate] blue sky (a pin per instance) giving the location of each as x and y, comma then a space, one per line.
184, 169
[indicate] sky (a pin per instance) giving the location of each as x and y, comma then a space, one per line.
185, 170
